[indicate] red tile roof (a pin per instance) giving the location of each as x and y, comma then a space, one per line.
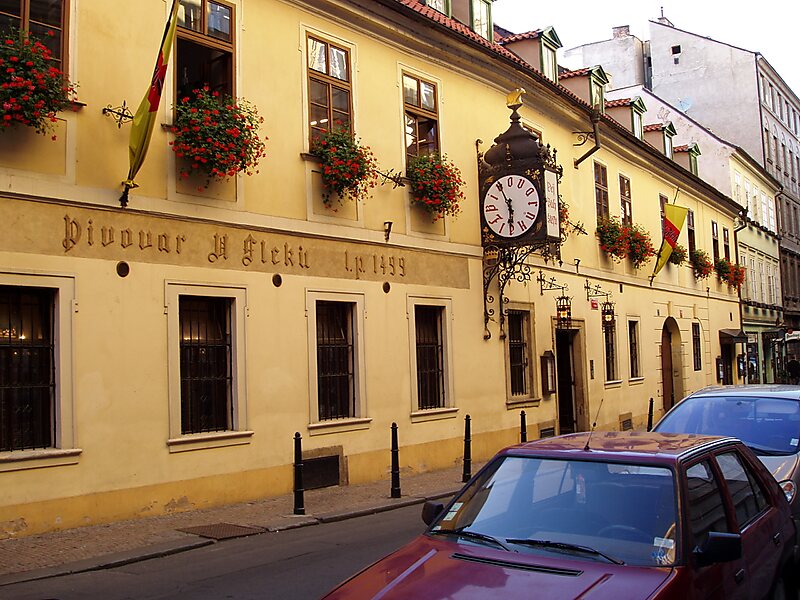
654, 127
517, 37
619, 102
576, 73
683, 148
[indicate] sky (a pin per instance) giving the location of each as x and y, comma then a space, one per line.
771, 27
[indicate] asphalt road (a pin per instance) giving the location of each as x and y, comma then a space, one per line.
297, 564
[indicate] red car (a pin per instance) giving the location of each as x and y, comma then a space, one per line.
607, 515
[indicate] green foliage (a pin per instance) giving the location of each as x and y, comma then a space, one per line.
32, 87
349, 170
435, 185
216, 135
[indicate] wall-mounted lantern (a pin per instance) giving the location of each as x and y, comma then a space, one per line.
607, 313
563, 312
548, 363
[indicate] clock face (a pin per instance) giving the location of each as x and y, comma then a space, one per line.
511, 205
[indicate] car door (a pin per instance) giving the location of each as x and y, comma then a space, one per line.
758, 522
706, 511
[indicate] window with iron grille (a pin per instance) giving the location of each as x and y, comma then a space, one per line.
43, 19
204, 50
601, 191
27, 368
609, 338
329, 87
518, 352
696, 349
336, 392
430, 356
625, 200
206, 364
422, 129
633, 348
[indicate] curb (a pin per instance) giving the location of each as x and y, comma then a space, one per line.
110, 561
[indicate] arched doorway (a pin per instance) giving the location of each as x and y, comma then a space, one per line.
671, 364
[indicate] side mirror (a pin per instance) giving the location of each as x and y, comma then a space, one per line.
719, 548
431, 510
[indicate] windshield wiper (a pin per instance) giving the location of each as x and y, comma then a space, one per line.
564, 546
473, 535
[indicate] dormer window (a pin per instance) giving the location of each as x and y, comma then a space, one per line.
597, 95
668, 145
549, 64
481, 11
638, 125
440, 5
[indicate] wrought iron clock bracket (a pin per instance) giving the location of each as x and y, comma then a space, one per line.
120, 114
505, 264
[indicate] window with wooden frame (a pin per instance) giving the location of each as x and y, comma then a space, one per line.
204, 51
330, 93
421, 117
625, 200
601, 191
690, 236
726, 243
44, 20
715, 241
481, 12
441, 5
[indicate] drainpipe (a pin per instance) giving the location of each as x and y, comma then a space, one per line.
736, 230
595, 117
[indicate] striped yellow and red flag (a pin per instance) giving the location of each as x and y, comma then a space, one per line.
145, 118
674, 217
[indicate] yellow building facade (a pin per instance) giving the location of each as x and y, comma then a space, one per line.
322, 320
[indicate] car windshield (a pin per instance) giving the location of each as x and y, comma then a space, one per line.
590, 510
767, 425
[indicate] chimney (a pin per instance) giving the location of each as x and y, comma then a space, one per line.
621, 31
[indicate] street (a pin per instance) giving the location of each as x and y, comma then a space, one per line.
299, 564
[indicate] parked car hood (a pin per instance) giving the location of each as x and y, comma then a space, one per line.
427, 569
781, 467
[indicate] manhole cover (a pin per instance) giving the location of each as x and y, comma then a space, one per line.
222, 531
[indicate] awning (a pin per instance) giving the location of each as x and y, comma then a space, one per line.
732, 336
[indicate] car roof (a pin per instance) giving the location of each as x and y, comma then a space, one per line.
775, 390
638, 446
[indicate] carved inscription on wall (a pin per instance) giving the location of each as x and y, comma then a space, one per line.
44, 228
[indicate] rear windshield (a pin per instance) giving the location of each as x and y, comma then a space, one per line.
767, 425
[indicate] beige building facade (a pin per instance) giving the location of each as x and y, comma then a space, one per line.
161, 357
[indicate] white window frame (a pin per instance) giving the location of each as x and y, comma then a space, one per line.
549, 62
446, 304
358, 304
238, 434
63, 451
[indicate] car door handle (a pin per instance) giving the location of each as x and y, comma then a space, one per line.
776, 539
739, 577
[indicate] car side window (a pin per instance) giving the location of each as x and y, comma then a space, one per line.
748, 498
706, 508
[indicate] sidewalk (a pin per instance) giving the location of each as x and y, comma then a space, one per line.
103, 546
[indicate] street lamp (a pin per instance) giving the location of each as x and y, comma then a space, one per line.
607, 313
563, 312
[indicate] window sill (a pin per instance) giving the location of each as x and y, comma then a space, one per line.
636, 381
205, 441
433, 414
613, 384
515, 403
338, 426
37, 459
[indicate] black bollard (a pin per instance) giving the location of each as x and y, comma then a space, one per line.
395, 463
299, 508
650, 416
467, 475
523, 427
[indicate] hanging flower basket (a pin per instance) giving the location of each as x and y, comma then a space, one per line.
435, 185
612, 240
702, 267
729, 273
678, 256
640, 246
32, 88
349, 169
216, 136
